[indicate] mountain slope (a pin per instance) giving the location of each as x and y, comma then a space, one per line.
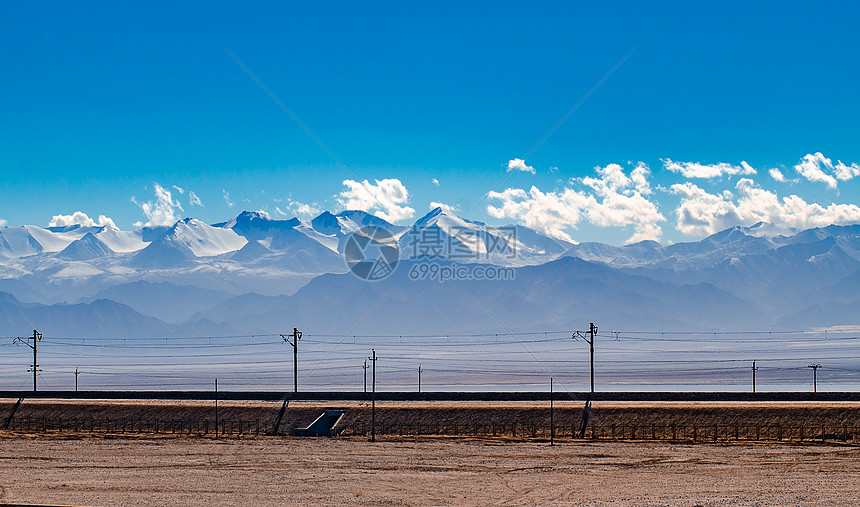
557, 295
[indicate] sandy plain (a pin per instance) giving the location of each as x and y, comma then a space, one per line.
40, 469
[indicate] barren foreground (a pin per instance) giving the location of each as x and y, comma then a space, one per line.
276, 470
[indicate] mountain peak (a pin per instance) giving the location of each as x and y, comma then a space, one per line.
446, 219
87, 248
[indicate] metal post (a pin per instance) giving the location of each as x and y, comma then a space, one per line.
37, 337
216, 408
419, 378
753, 372
373, 400
365, 375
814, 376
76, 379
551, 414
592, 331
589, 338
296, 336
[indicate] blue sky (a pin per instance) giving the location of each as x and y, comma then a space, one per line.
101, 101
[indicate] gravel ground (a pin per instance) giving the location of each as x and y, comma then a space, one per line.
288, 471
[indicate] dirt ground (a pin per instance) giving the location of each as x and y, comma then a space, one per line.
441, 471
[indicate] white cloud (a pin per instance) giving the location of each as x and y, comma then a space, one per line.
193, 200
701, 213
179, 189
435, 182
388, 197
304, 210
846, 172
615, 200
81, 218
162, 211
227, 198
777, 175
696, 170
520, 165
812, 167
3, 223
640, 176
447, 208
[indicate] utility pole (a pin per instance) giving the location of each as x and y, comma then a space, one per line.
76, 379
373, 400
216, 408
37, 337
815, 368
419, 377
589, 338
296, 336
551, 418
365, 375
754, 369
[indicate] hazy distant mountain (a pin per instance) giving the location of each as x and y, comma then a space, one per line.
101, 318
558, 295
166, 301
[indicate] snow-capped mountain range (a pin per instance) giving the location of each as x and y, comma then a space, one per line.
254, 273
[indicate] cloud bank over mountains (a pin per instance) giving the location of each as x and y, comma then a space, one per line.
386, 198
615, 198
707, 199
